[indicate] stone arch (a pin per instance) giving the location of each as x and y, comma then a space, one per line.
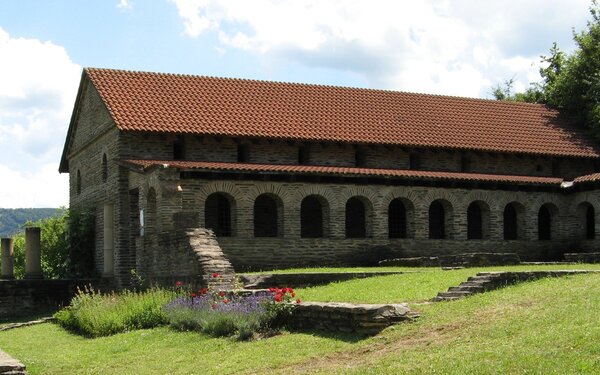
440, 219
513, 221
400, 213
283, 192
314, 217
268, 215
359, 191
322, 191
358, 212
225, 187
220, 214
547, 221
586, 220
478, 220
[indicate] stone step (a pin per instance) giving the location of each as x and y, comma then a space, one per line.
457, 294
467, 288
441, 299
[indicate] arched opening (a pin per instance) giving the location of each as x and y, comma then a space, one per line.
357, 212
218, 214
513, 218
267, 216
104, 168
398, 219
78, 182
546, 221
440, 216
314, 214
587, 220
478, 216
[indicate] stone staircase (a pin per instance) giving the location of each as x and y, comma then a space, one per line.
10, 366
482, 282
211, 260
487, 281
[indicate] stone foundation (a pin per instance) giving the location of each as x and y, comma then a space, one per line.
459, 260
582, 257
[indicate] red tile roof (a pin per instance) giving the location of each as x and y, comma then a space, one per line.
156, 102
587, 178
345, 171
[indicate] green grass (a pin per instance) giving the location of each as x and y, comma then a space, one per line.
547, 326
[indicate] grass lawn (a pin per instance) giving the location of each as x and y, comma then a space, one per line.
546, 326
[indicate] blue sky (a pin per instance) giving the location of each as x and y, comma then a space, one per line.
452, 47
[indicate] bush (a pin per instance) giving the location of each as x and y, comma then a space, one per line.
218, 313
94, 314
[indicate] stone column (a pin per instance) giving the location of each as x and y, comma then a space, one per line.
7, 259
109, 240
33, 261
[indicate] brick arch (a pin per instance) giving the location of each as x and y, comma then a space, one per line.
440, 194
282, 192
533, 205
321, 191
218, 187
409, 195
584, 198
479, 196
359, 191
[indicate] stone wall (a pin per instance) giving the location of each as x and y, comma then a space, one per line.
28, 297
346, 317
301, 280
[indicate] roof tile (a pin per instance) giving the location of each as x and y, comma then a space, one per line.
157, 102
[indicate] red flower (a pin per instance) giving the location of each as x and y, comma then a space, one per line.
298, 300
225, 301
193, 295
179, 283
203, 291
271, 290
213, 306
215, 275
290, 290
293, 295
221, 293
277, 297
283, 290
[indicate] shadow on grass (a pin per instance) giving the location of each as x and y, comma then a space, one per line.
27, 318
349, 337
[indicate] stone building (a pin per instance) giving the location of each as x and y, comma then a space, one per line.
294, 174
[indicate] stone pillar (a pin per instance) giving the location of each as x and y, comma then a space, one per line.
109, 240
7, 259
33, 261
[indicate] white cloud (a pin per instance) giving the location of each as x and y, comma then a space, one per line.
455, 47
124, 5
37, 91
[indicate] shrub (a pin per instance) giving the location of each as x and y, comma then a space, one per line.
218, 313
94, 314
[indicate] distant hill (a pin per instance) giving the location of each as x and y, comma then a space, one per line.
12, 219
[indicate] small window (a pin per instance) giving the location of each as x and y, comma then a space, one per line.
539, 168
556, 168
465, 164
414, 162
360, 158
78, 183
104, 168
303, 155
596, 165
243, 153
178, 149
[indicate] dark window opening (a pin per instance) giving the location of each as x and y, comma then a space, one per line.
544, 223
437, 221
178, 149
360, 158
590, 223
311, 218
511, 226
539, 168
596, 165
243, 153
265, 217
104, 168
555, 168
414, 162
465, 164
474, 222
78, 183
397, 222
217, 214
356, 223
303, 155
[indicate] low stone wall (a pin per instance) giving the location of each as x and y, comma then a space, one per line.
345, 317
583, 257
9, 365
28, 297
299, 280
458, 260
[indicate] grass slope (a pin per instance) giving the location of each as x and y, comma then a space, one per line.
547, 326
